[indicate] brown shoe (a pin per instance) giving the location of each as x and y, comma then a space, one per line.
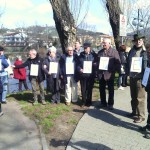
138, 120
43, 102
67, 103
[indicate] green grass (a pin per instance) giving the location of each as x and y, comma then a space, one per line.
45, 114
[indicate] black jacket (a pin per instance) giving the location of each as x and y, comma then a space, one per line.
49, 78
37, 60
83, 57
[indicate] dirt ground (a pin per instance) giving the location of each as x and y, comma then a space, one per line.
61, 132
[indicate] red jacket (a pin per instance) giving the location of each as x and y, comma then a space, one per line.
21, 72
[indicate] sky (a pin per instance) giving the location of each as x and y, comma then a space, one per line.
23, 13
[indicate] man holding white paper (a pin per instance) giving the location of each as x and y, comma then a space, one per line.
137, 62
51, 69
108, 63
34, 63
68, 74
86, 69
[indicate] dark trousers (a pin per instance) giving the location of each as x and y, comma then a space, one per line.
148, 108
55, 93
0, 102
24, 83
86, 89
102, 89
137, 92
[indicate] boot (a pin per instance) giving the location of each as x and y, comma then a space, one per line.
43, 102
1, 113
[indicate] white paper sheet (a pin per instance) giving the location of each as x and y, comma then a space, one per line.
70, 68
146, 76
53, 67
103, 64
87, 67
34, 70
136, 64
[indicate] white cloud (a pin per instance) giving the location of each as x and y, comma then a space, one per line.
102, 24
42, 8
16, 5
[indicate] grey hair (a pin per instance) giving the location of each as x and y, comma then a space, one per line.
33, 51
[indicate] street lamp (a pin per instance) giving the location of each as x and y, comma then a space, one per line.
138, 22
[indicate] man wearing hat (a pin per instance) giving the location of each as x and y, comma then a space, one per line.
87, 78
137, 91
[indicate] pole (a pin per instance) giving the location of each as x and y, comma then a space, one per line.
138, 22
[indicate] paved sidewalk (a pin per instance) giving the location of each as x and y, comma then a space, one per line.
102, 129
18, 132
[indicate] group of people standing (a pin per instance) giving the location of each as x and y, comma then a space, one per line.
83, 65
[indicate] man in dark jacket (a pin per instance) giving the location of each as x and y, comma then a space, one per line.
36, 75
106, 74
68, 74
52, 76
87, 77
146, 128
136, 89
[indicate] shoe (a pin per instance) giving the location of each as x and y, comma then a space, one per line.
35, 102
138, 120
103, 105
110, 107
67, 103
1, 113
132, 115
143, 129
147, 134
4, 102
121, 88
43, 102
124, 85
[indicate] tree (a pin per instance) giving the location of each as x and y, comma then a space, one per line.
114, 12
64, 22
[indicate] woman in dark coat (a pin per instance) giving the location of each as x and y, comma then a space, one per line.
20, 74
51, 77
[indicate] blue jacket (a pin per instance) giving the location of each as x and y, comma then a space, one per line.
4, 62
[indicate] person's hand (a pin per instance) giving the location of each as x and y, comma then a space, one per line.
81, 70
49, 73
12, 66
11, 76
45, 66
61, 76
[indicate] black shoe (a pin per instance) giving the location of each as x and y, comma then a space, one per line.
124, 85
110, 107
138, 120
143, 129
132, 115
4, 102
147, 134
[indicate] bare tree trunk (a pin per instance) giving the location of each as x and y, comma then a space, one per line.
64, 22
114, 14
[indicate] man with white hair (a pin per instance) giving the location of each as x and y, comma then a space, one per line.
68, 74
108, 63
34, 63
52, 76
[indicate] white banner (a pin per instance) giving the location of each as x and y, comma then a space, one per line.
123, 25
34, 70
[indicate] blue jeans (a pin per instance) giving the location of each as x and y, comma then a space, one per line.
4, 80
